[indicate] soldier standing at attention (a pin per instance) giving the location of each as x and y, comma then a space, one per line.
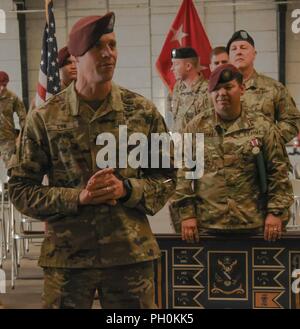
230, 197
67, 67
263, 94
99, 237
9, 104
189, 96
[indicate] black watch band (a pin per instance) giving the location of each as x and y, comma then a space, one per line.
128, 188
276, 212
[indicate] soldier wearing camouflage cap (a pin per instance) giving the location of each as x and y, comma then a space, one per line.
9, 104
263, 94
230, 197
99, 237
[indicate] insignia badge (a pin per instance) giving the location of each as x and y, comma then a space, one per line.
244, 35
227, 280
111, 22
226, 75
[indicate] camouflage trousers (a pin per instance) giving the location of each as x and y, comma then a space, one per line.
120, 287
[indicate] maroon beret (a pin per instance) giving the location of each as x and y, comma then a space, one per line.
87, 31
222, 74
63, 56
4, 78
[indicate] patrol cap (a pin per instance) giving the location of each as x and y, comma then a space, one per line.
184, 52
4, 78
240, 35
87, 31
63, 56
222, 74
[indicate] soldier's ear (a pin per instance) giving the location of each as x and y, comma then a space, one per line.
188, 66
243, 88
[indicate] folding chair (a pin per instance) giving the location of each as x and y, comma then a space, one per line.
20, 233
4, 214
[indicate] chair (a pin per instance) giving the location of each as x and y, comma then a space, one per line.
19, 233
4, 213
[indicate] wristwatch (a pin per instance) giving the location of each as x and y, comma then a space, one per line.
128, 188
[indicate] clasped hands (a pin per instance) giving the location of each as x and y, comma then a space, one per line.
102, 188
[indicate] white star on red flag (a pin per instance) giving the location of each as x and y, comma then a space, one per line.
179, 35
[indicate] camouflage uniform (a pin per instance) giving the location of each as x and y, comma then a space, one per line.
188, 102
273, 100
9, 103
227, 197
136, 291
60, 140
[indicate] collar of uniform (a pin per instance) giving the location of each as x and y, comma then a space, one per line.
114, 102
6, 94
195, 86
199, 84
241, 123
252, 82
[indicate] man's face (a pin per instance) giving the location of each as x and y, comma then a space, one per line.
218, 60
179, 68
98, 64
242, 54
68, 72
226, 97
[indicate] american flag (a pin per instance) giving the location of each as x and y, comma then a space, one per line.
49, 81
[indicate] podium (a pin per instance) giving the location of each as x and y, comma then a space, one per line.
228, 271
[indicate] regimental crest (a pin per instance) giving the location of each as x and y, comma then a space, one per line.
227, 278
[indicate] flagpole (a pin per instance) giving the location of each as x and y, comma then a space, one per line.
46, 10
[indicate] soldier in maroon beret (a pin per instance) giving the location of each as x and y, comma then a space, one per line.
99, 234
223, 74
4, 79
67, 67
226, 78
10, 103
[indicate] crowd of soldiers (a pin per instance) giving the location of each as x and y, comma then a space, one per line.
98, 234
222, 199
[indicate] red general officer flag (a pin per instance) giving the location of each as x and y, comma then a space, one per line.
186, 31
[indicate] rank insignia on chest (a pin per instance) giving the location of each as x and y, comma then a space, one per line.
255, 146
